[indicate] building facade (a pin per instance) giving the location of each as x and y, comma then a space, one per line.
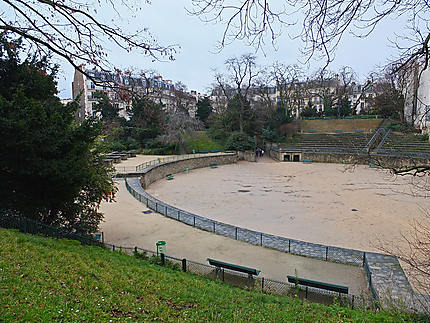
120, 90
415, 78
300, 95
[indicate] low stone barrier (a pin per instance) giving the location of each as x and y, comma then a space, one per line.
155, 172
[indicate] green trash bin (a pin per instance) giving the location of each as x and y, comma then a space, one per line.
161, 247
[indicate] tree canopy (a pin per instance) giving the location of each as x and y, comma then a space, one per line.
49, 168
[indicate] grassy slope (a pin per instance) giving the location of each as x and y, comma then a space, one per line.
199, 140
44, 279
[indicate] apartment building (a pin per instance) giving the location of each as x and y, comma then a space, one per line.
120, 89
300, 95
415, 78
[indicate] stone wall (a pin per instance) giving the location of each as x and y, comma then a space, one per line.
350, 158
248, 155
159, 171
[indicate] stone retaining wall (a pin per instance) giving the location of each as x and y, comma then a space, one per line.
351, 158
159, 171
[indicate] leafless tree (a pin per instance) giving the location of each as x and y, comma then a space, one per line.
324, 23
239, 81
179, 125
75, 30
287, 79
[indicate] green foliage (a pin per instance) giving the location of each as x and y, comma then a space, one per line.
46, 280
105, 107
344, 108
147, 120
239, 116
269, 135
204, 109
199, 140
395, 126
49, 168
389, 102
219, 135
423, 137
309, 111
240, 142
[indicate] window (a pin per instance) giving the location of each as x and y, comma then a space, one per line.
93, 86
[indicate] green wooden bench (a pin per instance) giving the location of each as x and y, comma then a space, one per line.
317, 284
225, 265
169, 176
214, 165
214, 150
307, 160
203, 151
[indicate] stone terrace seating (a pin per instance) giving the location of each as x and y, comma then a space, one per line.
405, 145
341, 142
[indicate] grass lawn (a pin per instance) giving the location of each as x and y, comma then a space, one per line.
43, 280
199, 140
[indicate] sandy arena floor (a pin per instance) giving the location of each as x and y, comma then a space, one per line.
321, 203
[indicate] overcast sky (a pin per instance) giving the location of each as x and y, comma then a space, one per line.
169, 22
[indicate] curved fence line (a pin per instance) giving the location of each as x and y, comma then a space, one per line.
302, 248
263, 284
160, 160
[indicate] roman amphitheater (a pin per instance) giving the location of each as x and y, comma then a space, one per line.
323, 200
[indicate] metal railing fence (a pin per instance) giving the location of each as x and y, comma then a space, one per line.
302, 248
263, 284
160, 160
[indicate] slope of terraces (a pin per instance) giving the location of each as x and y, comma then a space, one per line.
321, 142
405, 145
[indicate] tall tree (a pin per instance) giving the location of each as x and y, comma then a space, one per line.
238, 83
204, 109
49, 169
179, 125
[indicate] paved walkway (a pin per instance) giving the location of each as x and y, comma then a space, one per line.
126, 225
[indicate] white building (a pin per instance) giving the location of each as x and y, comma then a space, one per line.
417, 94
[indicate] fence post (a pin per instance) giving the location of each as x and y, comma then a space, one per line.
135, 249
156, 207
147, 203
306, 297
326, 253
163, 259
113, 247
184, 265
289, 245
214, 227
261, 239
194, 223
236, 233
353, 297
364, 258
165, 210
262, 283
223, 274
179, 215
